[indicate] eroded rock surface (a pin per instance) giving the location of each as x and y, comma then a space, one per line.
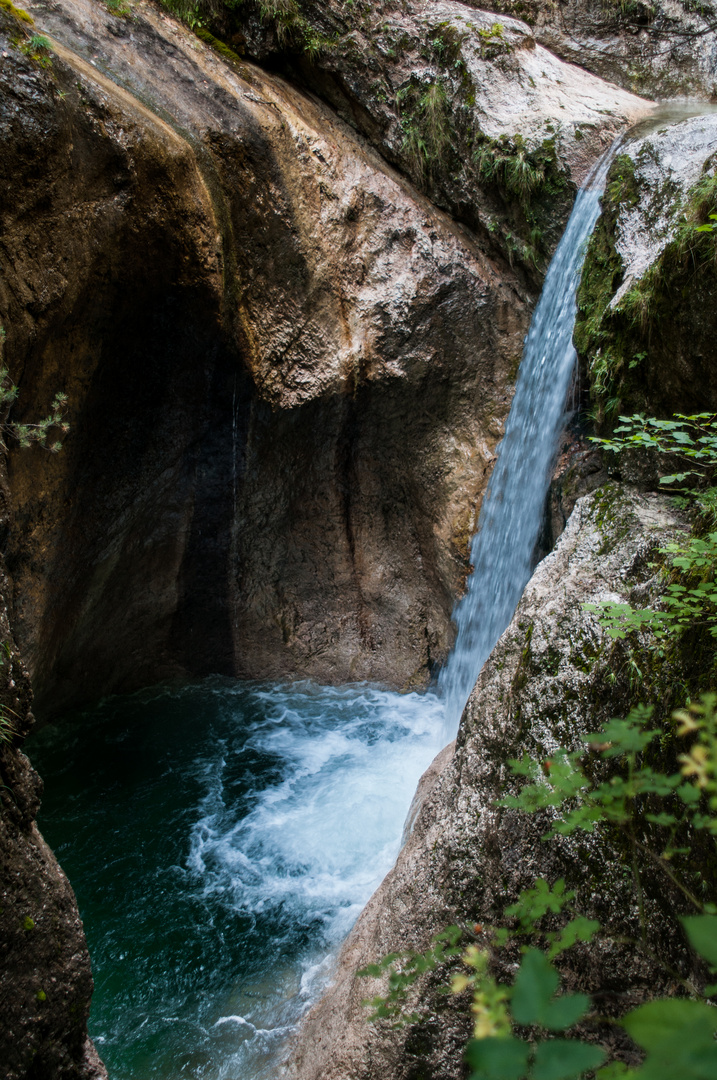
662, 48
45, 977
553, 676
647, 301
493, 126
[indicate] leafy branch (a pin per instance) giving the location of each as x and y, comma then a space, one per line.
48, 432
690, 601
526, 1030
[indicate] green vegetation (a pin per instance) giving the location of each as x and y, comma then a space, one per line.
404, 969
38, 48
689, 600
44, 432
16, 12
213, 22
509, 164
529, 182
7, 729
615, 339
47, 433
611, 785
425, 119
217, 45
493, 42
119, 8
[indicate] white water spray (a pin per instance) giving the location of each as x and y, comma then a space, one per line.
511, 515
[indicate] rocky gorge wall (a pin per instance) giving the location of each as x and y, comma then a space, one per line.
287, 371
288, 339
555, 673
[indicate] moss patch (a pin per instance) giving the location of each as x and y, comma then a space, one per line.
633, 351
16, 12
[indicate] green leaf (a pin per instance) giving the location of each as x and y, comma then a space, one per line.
532, 999
534, 986
701, 931
675, 478
497, 1059
654, 1025
565, 1059
566, 1011
616, 1070
690, 1056
578, 929
533, 903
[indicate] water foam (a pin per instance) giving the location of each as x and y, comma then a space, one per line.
245, 826
319, 838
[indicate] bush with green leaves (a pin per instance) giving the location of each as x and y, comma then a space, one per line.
689, 597
529, 1030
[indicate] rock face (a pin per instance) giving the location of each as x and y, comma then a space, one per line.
491, 125
553, 676
45, 978
646, 322
663, 48
287, 371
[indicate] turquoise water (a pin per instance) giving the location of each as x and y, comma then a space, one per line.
221, 839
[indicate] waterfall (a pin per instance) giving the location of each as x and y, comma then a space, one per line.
254, 820
511, 515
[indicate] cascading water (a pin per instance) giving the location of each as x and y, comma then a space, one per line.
222, 838
511, 514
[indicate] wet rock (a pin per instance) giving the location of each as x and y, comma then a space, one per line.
553, 676
45, 978
579, 470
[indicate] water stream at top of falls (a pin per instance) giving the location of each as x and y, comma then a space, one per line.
222, 837
502, 551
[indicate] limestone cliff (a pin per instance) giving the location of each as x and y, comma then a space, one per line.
663, 48
483, 118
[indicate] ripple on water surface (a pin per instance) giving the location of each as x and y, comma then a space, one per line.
221, 839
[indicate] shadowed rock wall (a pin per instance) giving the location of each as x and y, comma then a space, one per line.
286, 378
